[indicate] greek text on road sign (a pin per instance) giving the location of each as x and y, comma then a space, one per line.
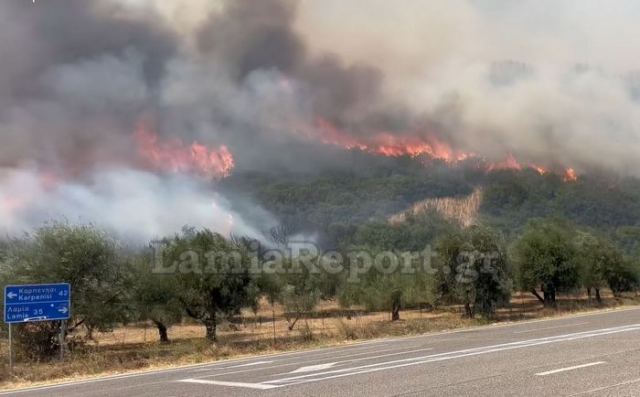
40, 302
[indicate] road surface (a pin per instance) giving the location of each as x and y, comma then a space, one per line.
586, 355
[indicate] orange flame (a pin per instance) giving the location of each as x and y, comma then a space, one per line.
386, 144
173, 156
511, 163
539, 169
389, 145
570, 175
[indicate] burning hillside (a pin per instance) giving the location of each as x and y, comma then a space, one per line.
173, 156
429, 147
281, 85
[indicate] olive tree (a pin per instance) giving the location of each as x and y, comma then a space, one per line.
546, 256
385, 280
473, 269
154, 297
82, 256
212, 276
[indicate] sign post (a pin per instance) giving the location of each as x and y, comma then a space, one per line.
37, 302
10, 351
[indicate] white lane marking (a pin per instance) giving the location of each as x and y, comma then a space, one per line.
238, 366
603, 388
359, 352
251, 364
450, 355
313, 368
367, 358
288, 364
311, 361
387, 355
258, 386
545, 328
209, 366
303, 352
555, 371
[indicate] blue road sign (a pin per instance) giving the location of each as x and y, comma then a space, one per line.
39, 302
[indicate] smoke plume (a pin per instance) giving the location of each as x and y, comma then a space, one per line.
235, 85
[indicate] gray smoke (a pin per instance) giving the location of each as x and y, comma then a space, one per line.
553, 84
132, 205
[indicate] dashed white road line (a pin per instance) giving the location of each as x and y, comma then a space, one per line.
382, 366
448, 356
555, 371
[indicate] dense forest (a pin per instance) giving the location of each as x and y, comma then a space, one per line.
336, 204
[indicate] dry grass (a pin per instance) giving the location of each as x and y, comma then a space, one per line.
136, 348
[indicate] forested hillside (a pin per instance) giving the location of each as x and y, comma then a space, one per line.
337, 205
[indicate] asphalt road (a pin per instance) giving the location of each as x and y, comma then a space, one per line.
590, 355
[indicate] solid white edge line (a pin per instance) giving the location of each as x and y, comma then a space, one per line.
555, 371
546, 328
151, 372
338, 373
250, 364
607, 387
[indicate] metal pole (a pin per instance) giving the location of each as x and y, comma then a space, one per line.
62, 330
273, 321
10, 350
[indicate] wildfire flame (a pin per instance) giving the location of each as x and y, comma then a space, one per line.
570, 175
173, 155
539, 169
390, 145
511, 163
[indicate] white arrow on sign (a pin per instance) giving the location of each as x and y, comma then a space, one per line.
63, 310
34, 319
11, 295
312, 368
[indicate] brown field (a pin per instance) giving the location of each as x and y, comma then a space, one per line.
136, 347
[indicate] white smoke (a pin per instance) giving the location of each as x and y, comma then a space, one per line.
133, 205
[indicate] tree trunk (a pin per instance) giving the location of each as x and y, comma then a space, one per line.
537, 295
467, 310
395, 311
598, 297
210, 325
90, 333
549, 295
273, 321
396, 303
292, 325
162, 331
589, 294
